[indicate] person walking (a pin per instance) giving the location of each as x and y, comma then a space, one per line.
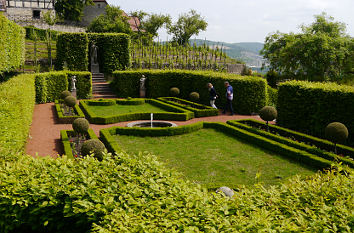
229, 98
213, 95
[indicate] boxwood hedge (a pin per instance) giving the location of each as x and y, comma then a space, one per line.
310, 107
250, 93
65, 140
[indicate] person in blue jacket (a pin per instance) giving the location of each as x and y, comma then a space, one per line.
229, 98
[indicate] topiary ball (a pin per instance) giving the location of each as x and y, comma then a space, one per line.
268, 113
65, 94
93, 146
336, 132
81, 125
70, 101
194, 96
174, 91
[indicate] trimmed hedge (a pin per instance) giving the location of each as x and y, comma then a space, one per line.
17, 99
68, 119
41, 33
250, 93
199, 110
301, 137
272, 96
72, 49
130, 101
50, 85
64, 137
177, 114
310, 107
298, 145
101, 102
12, 45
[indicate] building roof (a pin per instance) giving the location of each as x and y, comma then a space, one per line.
134, 22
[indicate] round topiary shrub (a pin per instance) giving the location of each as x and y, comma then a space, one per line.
174, 91
93, 146
268, 113
65, 94
194, 96
70, 101
81, 126
336, 132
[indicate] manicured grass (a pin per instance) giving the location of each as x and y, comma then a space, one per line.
211, 157
124, 109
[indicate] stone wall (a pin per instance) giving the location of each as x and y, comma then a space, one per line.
91, 12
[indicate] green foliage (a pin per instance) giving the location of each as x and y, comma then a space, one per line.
310, 107
81, 126
70, 101
250, 93
130, 101
65, 119
17, 97
268, 113
336, 132
318, 53
102, 102
153, 23
65, 94
72, 50
186, 26
194, 96
41, 34
65, 136
83, 83
12, 45
174, 91
71, 9
93, 146
272, 96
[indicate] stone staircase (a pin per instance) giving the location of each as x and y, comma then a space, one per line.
100, 87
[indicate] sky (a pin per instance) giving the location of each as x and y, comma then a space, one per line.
235, 21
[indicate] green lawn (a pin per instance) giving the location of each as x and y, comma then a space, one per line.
208, 156
124, 109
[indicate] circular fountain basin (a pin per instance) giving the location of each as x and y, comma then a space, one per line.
149, 124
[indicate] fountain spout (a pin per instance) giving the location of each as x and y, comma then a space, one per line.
151, 118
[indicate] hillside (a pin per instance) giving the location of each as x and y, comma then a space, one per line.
247, 52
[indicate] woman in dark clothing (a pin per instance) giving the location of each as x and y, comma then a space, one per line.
213, 95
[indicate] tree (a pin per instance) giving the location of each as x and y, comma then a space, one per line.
50, 18
71, 9
113, 21
318, 53
186, 26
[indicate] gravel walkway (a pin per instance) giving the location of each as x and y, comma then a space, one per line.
44, 138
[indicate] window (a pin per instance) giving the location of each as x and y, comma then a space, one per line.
36, 14
98, 5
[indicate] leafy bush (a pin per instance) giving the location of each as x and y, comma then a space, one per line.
93, 146
268, 113
12, 45
81, 126
194, 96
70, 101
310, 107
336, 132
65, 94
17, 97
65, 136
272, 96
250, 93
174, 91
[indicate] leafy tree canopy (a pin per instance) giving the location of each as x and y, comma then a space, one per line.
113, 21
186, 26
319, 53
71, 9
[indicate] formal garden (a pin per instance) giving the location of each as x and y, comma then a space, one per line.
290, 170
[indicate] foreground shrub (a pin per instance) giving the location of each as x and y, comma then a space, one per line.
174, 91
94, 146
336, 132
17, 97
268, 113
81, 126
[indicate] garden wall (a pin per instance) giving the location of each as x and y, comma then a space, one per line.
250, 93
12, 45
310, 107
50, 85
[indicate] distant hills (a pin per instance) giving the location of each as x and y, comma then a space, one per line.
247, 52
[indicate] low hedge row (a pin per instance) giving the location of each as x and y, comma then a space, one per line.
130, 101
298, 145
65, 139
50, 85
101, 102
250, 93
301, 137
17, 97
199, 110
309, 107
62, 119
177, 114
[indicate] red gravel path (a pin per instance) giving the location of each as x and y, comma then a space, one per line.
44, 136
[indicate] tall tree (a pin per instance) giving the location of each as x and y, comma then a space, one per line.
187, 25
318, 53
71, 9
113, 21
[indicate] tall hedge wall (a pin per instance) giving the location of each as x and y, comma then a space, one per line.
74, 49
12, 45
250, 93
17, 99
50, 85
309, 107
40, 33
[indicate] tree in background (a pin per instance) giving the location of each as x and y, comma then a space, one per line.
319, 53
113, 21
71, 9
187, 25
50, 18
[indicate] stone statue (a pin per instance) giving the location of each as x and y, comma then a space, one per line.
142, 87
94, 52
73, 83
